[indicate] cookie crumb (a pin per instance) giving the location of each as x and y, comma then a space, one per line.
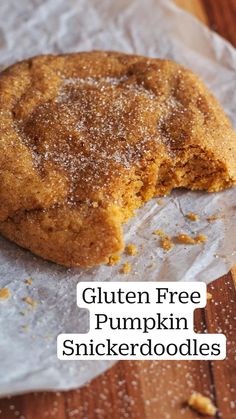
185, 239
166, 243
29, 281
4, 293
209, 296
201, 238
131, 250
126, 268
202, 404
160, 201
30, 301
113, 260
159, 233
192, 216
213, 217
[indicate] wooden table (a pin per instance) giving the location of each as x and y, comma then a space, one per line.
156, 389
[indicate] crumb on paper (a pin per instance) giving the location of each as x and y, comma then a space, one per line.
131, 250
202, 404
183, 238
113, 260
160, 201
29, 281
213, 217
126, 268
4, 293
166, 243
201, 238
209, 296
192, 216
30, 301
159, 233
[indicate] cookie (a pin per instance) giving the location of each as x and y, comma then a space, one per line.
87, 138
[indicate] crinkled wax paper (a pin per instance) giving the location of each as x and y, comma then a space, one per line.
153, 28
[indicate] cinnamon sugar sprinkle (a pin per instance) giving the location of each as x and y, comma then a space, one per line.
78, 100
93, 119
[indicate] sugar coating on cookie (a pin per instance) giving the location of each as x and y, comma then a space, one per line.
87, 138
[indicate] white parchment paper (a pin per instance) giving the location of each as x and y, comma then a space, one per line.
153, 28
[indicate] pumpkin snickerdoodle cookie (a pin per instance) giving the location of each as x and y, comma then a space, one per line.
87, 138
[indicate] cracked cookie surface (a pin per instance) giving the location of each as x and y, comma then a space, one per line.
87, 138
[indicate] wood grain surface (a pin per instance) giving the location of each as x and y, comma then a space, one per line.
156, 389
